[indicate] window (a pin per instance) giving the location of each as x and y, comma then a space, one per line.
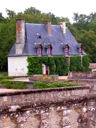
80, 50
38, 36
49, 51
67, 50
39, 51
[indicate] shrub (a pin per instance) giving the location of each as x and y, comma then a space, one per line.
34, 65
57, 65
42, 85
11, 84
76, 65
85, 62
8, 77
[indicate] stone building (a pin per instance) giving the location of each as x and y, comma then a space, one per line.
40, 40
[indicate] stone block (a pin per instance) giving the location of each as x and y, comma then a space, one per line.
45, 116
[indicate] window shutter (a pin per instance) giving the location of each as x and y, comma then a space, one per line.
40, 50
80, 50
49, 50
67, 50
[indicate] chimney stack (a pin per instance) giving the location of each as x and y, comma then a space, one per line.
48, 26
20, 36
63, 26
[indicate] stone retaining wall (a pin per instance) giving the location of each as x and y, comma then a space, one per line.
71, 107
82, 75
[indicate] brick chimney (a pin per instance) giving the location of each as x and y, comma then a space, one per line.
20, 36
63, 26
48, 26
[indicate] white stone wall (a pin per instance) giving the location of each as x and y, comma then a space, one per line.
44, 69
17, 66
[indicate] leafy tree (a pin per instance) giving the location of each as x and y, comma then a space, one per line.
10, 13
76, 17
1, 17
31, 11
88, 40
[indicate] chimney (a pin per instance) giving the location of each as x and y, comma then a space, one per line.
63, 26
20, 36
48, 26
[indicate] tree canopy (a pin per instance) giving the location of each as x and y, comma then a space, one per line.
83, 29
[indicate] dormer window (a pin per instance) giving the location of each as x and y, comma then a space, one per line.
49, 51
38, 36
80, 50
39, 51
66, 50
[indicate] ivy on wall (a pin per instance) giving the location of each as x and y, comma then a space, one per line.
57, 65
76, 64
34, 66
85, 63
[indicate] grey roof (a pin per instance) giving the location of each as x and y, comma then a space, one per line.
57, 40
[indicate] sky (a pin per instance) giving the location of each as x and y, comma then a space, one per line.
61, 8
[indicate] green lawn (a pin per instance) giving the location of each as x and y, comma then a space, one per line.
4, 73
5, 82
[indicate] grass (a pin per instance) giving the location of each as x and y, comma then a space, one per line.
5, 82
4, 73
41, 85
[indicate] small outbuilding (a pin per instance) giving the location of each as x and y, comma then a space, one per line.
40, 40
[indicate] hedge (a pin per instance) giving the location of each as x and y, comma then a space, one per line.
57, 65
76, 64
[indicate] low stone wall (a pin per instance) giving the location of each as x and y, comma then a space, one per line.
91, 83
71, 107
82, 75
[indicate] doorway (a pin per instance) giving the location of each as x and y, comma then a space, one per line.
47, 70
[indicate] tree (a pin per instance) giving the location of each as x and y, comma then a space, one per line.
1, 17
76, 17
31, 11
88, 40
10, 13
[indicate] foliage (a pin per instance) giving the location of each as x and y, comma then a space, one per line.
61, 65
34, 65
76, 64
41, 85
4, 73
88, 40
6, 83
80, 29
3, 77
45, 78
85, 63
57, 65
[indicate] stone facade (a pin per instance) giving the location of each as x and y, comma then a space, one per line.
48, 108
82, 75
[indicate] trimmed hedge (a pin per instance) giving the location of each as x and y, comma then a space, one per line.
76, 65
57, 65
85, 62
34, 65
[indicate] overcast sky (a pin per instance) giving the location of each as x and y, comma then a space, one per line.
61, 8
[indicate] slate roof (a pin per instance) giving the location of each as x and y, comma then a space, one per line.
36, 34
